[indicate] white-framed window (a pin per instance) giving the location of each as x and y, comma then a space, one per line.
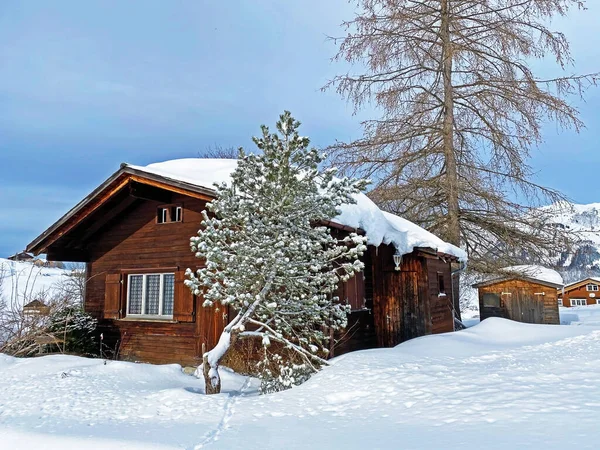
560, 303
578, 302
598, 301
169, 214
591, 287
151, 295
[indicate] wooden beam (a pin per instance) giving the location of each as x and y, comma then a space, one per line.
67, 254
68, 226
171, 187
147, 192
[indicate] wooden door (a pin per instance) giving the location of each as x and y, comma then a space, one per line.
527, 307
413, 320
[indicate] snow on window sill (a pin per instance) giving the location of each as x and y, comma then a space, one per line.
441, 294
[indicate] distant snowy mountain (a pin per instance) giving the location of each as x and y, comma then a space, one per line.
583, 221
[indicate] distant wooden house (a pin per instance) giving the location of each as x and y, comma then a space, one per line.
521, 293
20, 256
133, 233
36, 308
580, 293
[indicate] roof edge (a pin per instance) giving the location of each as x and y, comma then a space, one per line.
507, 278
36, 245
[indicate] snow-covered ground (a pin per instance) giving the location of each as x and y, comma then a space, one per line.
498, 385
21, 281
580, 315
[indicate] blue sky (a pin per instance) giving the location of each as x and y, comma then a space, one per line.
87, 85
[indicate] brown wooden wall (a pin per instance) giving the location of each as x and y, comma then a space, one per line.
390, 306
407, 303
520, 301
580, 292
136, 243
442, 318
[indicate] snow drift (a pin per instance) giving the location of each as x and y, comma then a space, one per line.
498, 385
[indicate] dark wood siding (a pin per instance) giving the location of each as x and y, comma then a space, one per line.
522, 301
442, 318
406, 303
136, 242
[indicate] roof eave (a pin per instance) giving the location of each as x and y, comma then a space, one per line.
37, 245
532, 280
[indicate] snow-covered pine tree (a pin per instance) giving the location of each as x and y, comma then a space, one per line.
268, 255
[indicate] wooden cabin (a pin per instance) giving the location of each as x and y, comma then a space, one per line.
20, 256
521, 293
36, 308
133, 233
580, 293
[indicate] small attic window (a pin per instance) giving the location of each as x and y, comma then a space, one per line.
169, 214
592, 287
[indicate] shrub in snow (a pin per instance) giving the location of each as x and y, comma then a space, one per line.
278, 373
268, 256
57, 327
76, 329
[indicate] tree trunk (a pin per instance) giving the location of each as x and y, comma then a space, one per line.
211, 360
212, 380
453, 233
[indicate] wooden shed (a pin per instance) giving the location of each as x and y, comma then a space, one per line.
521, 293
133, 233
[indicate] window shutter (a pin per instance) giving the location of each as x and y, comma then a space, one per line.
112, 296
183, 308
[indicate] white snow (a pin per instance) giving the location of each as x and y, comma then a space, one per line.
23, 281
498, 385
537, 273
580, 315
380, 227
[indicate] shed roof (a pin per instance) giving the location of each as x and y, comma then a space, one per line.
534, 273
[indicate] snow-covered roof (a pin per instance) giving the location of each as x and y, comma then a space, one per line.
596, 279
535, 272
379, 226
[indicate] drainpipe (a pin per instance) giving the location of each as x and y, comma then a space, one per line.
462, 268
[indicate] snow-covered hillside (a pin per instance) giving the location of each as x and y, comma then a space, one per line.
584, 222
22, 282
498, 385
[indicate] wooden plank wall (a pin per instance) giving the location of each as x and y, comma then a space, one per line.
520, 300
406, 303
138, 242
442, 318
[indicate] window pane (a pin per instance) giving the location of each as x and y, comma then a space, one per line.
168, 293
152, 294
491, 301
135, 294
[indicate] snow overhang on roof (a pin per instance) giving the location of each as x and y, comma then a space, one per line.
379, 226
200, 174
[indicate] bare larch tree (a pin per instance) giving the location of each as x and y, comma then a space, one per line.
461, 108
